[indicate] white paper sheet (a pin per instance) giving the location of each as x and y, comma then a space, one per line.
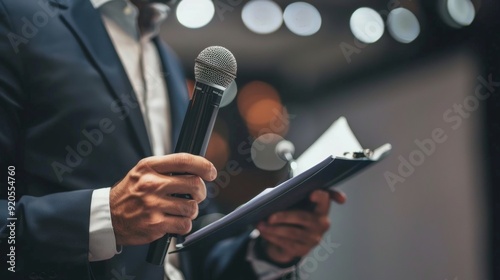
336, 140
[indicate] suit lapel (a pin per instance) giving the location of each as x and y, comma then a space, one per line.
86, 24
176, 86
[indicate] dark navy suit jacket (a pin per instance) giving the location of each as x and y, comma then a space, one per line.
70, 123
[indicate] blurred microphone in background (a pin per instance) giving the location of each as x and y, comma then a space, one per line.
285, 150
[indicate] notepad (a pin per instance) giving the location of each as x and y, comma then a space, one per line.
334, 157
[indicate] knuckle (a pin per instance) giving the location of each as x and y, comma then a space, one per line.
184, 226
200, 190
147, 182
196, 188
150, 203
203, 193
143, 164
188, 209
193, 209
156, 226
134, 174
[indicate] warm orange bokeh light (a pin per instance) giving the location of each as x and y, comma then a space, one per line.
260, 106
190, 86
253, 92
218, 150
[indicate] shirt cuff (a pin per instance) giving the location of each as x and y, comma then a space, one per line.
263, 269
102, 243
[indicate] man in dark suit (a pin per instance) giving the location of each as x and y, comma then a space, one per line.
84, 142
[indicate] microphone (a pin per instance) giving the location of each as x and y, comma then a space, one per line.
285, 151
214, 70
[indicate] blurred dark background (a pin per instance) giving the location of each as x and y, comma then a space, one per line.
439, 222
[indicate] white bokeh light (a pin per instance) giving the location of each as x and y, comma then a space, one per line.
195, 13
263, 152
367, 25
403, 25
462, 12
302, 18
262, 16
229, 94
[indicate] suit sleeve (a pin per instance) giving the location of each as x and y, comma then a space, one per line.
43, 232
235, 258
227, 260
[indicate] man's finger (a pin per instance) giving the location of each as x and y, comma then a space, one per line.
182, 163
288, 246
298, 218
295, 234
185, 184
337, 196
322, 200
298, 235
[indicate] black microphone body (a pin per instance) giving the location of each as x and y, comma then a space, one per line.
200, 119
194, 137
211, 81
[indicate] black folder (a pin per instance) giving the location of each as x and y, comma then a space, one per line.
326, 174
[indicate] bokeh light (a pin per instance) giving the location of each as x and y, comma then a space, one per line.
367, 25
218, 150
302, 18
195, 13
262, 16
462, 12
190, 87
403, 25
260, 106
263, 152
229, 94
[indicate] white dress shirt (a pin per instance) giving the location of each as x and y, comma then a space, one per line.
142, 64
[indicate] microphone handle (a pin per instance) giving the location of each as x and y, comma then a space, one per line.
200, 119
194, 137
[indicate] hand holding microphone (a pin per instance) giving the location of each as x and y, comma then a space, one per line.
142, 206
215, 69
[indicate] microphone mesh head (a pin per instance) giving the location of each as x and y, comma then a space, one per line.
215, 65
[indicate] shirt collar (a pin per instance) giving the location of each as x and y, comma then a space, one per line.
98, 3
126, 15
